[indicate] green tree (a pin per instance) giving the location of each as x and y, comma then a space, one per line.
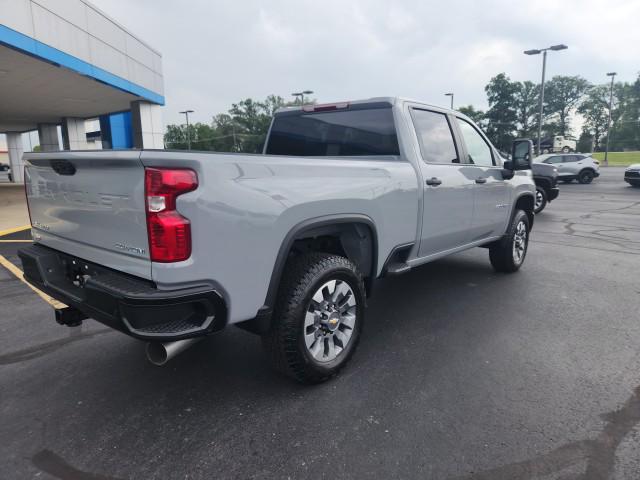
502, 114
562, 95
478, 116
625, 130
595, 110
526, 98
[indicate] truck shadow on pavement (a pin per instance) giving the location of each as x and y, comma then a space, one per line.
599, 453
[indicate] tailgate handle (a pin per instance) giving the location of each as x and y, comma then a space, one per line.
63, 167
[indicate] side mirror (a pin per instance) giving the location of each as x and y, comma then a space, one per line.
521, 154
507, 170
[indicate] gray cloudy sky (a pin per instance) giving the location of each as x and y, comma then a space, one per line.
217, 52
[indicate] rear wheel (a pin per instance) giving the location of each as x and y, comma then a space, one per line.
508, 254
318, 317
585, 177
541, 200
566, 149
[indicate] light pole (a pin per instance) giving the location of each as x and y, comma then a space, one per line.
186, 114
450, 94
544, 68
301, 95
606, 148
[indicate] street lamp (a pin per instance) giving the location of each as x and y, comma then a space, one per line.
606, 149
544, 67
186, 114
450, 94
301, 95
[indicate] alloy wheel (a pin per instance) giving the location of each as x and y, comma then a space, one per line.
330, 320
519, 243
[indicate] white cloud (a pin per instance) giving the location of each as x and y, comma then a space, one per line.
215, 53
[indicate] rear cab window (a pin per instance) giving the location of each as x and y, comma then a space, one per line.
354, 130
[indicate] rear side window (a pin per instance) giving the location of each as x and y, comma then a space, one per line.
553, 160
435, 137
368, 131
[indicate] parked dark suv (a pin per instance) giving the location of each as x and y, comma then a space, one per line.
546, 178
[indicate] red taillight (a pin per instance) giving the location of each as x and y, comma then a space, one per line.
169, 232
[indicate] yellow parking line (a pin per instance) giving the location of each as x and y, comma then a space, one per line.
18, 273
14, 230
16, 241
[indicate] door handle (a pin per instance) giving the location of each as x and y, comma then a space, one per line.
481, 180
433, 181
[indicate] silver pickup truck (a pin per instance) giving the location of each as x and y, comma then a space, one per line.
171, 246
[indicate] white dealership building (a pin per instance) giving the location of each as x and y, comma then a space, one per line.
63, 62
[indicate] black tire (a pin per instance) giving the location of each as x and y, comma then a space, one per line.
585, 177
285, 342
566, 149
501, 253
540, 200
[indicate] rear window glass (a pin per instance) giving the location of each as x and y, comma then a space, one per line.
368, 131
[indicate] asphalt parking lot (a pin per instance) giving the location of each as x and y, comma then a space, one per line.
462, 373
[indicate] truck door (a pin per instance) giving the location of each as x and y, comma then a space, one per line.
448, 190
491, 192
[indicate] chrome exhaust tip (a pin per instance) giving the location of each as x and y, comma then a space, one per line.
160, 353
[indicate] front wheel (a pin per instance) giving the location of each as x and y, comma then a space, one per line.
318, 317
541, 200
507, 255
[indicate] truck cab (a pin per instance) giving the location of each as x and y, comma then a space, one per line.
558, 143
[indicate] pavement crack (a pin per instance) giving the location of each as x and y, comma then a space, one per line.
599, 453
46, 348
48, 462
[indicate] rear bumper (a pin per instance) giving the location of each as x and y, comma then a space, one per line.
129, 304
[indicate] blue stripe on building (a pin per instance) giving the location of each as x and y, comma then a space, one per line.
31, 46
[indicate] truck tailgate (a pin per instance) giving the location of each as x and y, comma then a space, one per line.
92, 205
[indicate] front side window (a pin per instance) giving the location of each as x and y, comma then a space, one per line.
478, 149
434, 136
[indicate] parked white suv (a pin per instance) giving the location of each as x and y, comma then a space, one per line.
575, 166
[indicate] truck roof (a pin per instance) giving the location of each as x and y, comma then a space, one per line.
372, 100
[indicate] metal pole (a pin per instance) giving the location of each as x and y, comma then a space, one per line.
606, 148
544, 68
452, 101
188, 132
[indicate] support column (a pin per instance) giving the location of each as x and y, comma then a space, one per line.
14, 145
48, 134
74, 135
146, 123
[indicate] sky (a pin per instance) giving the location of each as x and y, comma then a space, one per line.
218, 52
